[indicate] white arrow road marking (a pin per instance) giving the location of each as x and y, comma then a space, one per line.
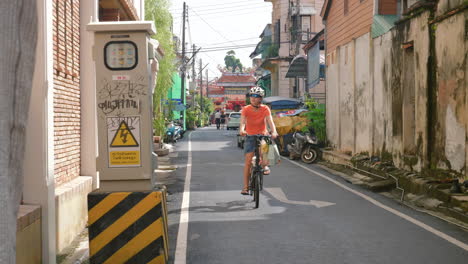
387, 208
281, 196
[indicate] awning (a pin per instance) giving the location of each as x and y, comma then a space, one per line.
381, 24
279, 102
297, 67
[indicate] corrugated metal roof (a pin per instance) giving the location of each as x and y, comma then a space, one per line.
382, 24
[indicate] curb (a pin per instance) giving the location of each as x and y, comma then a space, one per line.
389, 178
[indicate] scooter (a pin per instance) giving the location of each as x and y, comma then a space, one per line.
305, 146
174, 132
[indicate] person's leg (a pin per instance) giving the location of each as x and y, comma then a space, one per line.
247, 166
265, 162
249, 148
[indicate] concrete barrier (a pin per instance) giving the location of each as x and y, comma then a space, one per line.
128, 227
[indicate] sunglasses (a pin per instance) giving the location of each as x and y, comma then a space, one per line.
255, 95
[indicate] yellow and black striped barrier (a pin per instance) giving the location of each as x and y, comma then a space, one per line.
127, 227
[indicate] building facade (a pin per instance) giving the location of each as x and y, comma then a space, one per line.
61, 147
293, 24
235, 87
392, 83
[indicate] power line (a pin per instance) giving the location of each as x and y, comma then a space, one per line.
189, 31
211, 58
229, 9
211, 5
230, 46
234, 13
243, 45
227, 48
226, 10
229, 41
212, 27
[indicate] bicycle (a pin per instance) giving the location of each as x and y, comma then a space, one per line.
256, 174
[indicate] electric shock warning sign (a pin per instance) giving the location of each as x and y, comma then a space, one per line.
123, 136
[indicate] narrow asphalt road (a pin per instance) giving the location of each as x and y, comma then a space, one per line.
306, 215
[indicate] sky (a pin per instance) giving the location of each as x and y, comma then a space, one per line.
220, 24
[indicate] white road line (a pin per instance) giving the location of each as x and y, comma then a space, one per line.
391, 210
181, 247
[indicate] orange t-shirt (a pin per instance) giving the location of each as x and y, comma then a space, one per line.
255, 123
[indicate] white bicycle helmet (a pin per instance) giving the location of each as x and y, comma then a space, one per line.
257, 90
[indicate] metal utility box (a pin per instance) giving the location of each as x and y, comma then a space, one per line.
122, 53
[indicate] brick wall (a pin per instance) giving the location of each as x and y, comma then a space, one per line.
66, 36
342, 28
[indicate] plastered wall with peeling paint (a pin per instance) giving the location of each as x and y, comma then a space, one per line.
404, 94
451, 133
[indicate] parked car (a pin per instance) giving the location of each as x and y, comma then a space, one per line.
233, 121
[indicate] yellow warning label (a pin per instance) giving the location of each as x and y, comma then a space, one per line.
124, 157
123, 137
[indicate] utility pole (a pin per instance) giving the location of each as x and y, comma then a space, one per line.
207, 83
298, 27
194, 76
298, 43
182, 90
201, 92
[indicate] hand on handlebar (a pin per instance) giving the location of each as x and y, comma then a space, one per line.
274, 135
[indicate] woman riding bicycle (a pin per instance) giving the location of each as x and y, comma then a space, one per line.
255, 116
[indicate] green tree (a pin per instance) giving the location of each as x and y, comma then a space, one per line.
232, 63
158, 11
316, 116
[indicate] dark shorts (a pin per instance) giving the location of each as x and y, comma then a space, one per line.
249, 144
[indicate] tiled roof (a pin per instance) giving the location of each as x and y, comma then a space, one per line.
237, 78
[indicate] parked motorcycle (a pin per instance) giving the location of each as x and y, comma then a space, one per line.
305, 146
174, 132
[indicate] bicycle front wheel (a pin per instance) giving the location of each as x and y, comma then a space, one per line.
257, 190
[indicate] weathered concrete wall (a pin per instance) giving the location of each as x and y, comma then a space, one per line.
346, 100
332, 105
404, 94
318, 92
283, 82
362, 95
446, 5
274, 81
410, 92
452, 110
382, 69
72, 210
28, 235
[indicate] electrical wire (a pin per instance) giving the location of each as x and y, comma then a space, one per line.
235, 46
226, 48
216, 16
242, 3
189, 31
180, 32
212, 27
233, 40
217, 11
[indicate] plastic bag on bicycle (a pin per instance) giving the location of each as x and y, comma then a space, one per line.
274, 157
264, 149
